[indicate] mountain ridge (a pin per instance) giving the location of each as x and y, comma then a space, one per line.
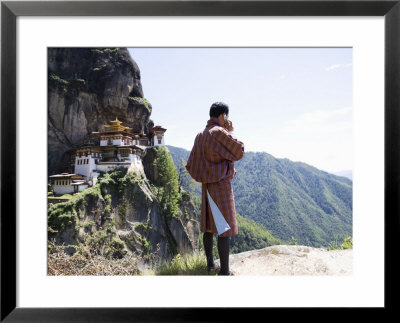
293, 200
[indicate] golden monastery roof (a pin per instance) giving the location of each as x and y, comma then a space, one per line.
115, 126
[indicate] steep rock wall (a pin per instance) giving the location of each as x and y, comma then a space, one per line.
88, 87
121, 217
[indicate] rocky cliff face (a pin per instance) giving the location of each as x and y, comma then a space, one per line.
121, 217
88, 87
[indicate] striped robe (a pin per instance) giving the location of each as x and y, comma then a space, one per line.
211, 162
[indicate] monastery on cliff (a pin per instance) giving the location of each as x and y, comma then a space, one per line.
118, 148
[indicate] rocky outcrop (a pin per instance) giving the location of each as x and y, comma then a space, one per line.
292, 260
88, 87
190, 220
185, 229
149, 167
120, 217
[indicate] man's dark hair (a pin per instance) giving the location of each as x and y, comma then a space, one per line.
218, 108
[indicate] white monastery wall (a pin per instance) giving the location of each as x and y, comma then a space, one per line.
63, 189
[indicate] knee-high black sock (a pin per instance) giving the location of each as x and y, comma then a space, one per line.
208, 247
223, 251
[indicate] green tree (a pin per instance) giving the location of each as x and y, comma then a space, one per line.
167, 182
185, 181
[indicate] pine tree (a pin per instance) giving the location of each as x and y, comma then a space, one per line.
167, 181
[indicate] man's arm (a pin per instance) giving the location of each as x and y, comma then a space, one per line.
232, 149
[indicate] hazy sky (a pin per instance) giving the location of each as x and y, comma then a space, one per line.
293, 103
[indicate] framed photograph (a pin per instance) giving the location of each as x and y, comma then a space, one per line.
29, 29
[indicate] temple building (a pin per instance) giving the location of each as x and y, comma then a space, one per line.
158, 135
118, 147
65, 183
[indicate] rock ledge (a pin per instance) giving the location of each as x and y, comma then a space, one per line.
292, 261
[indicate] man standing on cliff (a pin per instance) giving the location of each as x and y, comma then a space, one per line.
211, 163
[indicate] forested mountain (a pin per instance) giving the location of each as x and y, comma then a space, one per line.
290, 199
251, 236
180, 156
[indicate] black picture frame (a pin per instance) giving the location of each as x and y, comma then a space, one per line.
10, 10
